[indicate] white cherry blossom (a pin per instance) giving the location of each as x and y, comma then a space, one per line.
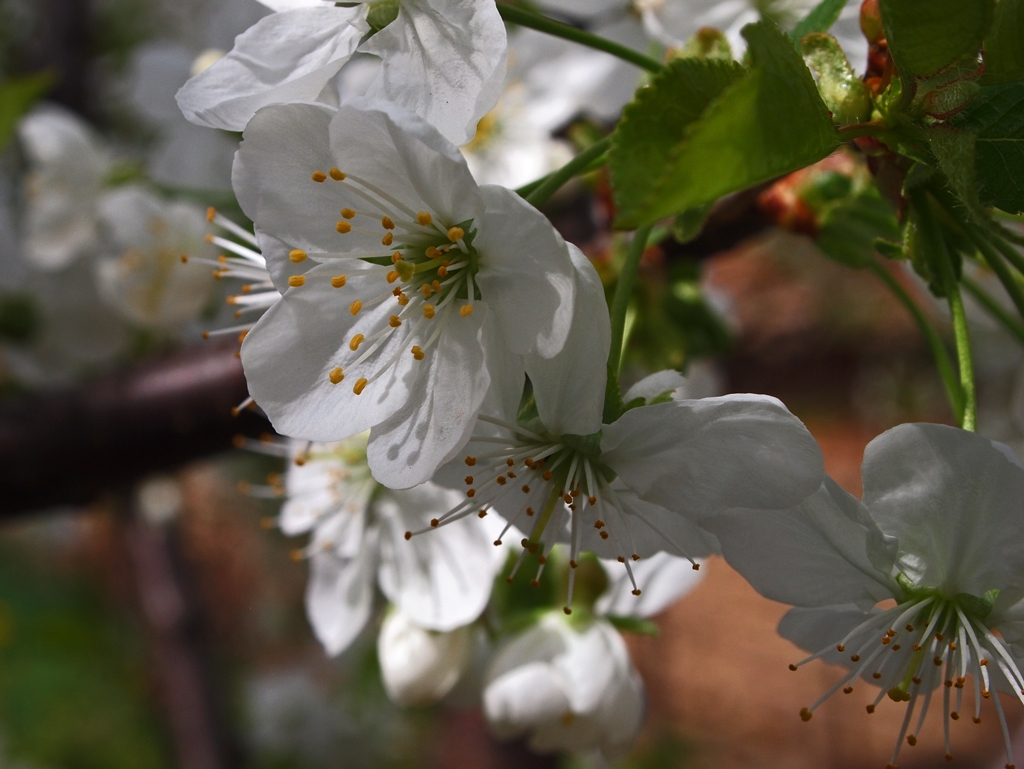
938, 534
406, 286
635, 487
443, 59
420, 666
146, 283
356, 541
67, 171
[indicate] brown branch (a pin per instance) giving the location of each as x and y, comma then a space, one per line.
67, 447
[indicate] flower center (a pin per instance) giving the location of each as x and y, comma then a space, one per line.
926, 640
548, 484
427, 267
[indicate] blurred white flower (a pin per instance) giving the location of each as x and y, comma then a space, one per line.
939, 535
358, 541
445, 61
420, 666
567, 688
67, 170
146, 283
401, 277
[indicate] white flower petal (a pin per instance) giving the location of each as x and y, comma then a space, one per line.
954, 501
525, 697
445, 61
339, 596
663, 579
814, 629
526, 274
441, 579
814, 554
289, 354
447, 390
702, 456
655, 385
284, 57
569, 388
419, 666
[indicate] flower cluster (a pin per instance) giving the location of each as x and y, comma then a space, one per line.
445, 366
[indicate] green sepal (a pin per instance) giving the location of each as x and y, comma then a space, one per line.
849, 230
590, 445
926, 36
634, 625
705, 43
381, 13
845, 94
912, 592
741, 127
975, 606
888, 249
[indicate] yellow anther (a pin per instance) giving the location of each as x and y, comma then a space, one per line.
466, 310
319, 177
297, 255
335, 376
343, 227
355, 307
403, 300
456, 234
338, 281
356, 341
297, 280
347, 213
429, 310
424, 218
387, 240
425, 290
442, 271
337, 175
417, 353
386, 223
210, 213
208, 238
360, 385
432, 252
436, 285
470, 461
395, 321
392, 276
184, 258
396, 257
805, 714
297, 555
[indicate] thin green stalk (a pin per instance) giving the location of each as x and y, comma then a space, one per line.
623, 292
527, 189
551, 27
554, 181
995, 260
1011, 254
939, 352
950, 284
993, 308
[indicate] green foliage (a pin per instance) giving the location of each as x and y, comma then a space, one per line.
17, 96
850, 228
820, 19
653, 124
996, 118
19, 318
845, 94
926, 36
1004, 46
706, 43
687, 225
740, 128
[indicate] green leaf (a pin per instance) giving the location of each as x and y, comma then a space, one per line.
768, 122
924, 36
17, 96
845, 94
996, 117
820, 19
653, 124
1004, 46
850, 229
705, 43
689, 223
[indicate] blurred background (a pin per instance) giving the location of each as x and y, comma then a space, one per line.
149, 619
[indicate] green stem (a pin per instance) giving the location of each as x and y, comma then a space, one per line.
549, 26
527, 189
993, 308
994, 260
942, 359
950, 284
1011, 254
554, 181
623, 292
